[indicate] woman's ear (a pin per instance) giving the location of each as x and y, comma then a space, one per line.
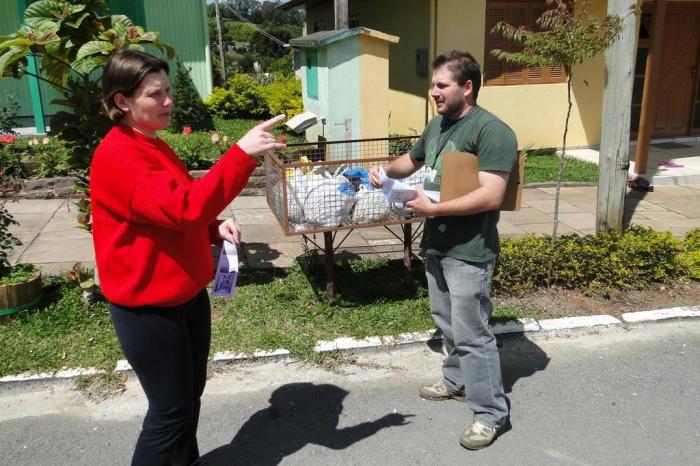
121, 103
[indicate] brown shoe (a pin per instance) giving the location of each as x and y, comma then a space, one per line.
438, 392
478, 436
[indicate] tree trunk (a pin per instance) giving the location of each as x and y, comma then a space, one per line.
615, 136
563, 154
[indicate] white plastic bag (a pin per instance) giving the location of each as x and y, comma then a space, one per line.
370, 206
296, 192
328, 201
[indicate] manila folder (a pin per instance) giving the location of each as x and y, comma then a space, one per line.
460, 175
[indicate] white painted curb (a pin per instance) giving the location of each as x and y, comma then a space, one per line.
662, 314
570, 323
348, 343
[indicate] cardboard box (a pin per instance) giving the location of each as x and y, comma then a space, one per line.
460, 175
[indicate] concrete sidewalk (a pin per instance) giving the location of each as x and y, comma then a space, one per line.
51, 240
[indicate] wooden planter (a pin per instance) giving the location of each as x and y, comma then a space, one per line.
20, 296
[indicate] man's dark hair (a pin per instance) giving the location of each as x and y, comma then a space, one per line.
463, 67
123, 74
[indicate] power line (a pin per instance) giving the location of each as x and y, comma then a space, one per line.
259, 29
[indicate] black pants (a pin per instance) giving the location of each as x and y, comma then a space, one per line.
168, 349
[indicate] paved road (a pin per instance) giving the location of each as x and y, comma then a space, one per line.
616, 397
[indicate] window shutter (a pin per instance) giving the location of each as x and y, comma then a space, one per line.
536, 74
131, 8
493, 72
517, 13
517, 16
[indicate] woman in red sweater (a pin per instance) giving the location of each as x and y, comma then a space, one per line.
152, 230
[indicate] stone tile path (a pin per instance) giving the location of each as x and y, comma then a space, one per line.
50, 238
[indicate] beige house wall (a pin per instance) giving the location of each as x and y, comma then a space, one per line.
535, 112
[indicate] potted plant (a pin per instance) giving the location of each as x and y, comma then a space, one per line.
20, 285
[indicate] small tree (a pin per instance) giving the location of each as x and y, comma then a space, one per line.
70, 40
188, 108
567, 37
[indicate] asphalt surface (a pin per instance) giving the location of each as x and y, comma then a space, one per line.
619, 396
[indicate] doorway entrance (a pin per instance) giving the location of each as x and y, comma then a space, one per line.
677, 105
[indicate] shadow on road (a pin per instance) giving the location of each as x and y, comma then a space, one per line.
520, 358
299, 414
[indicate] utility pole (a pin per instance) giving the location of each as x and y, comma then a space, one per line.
221, 42
615, 137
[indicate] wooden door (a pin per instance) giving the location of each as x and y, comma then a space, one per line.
678, 74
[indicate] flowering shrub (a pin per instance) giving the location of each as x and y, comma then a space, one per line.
197, 150
33, 158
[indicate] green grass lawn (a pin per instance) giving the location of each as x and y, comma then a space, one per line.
271, 310
542, 166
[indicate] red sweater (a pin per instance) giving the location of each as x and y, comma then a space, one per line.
152, 223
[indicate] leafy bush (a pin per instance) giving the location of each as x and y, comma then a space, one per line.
690, 256
283, 95
8, 115
243, 99
399, 145
197, 150
188, 108
246, 97
592, 263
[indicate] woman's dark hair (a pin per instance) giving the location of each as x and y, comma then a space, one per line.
123, 74
463, 67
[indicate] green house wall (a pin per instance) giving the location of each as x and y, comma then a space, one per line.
182, 23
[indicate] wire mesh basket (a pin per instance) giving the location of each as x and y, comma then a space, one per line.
316, 187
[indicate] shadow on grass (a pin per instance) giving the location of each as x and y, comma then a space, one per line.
299, 414
365, 281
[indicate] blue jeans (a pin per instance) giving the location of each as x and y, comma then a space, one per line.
461, 308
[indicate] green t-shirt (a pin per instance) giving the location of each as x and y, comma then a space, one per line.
470, 237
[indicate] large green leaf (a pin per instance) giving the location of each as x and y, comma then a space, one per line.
75, 24
47, 38
76, 8
56, 71
88, 64
17, 42
121, 24
137, 47
42, 11
46, 26
11, 56
93, 47
149, 36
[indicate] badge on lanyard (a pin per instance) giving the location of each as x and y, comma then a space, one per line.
430, 175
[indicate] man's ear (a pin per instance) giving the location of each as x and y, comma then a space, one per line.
468, 88
121, 103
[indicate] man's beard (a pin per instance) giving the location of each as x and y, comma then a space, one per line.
452, 112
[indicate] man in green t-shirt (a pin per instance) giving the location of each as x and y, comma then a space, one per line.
460, 241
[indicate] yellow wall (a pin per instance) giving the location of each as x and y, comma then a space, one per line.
535, 112
374, 79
